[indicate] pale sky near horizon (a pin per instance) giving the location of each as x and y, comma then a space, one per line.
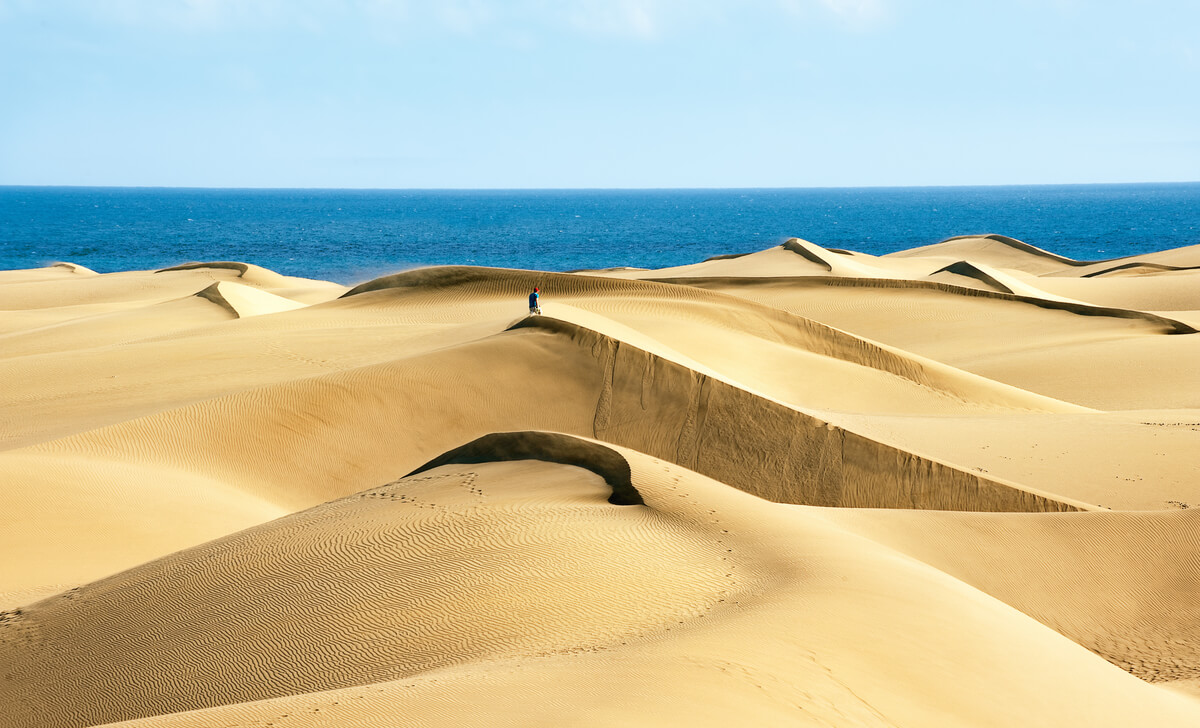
596, 93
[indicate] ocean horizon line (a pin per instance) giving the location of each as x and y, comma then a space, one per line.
1006, 185
353, 234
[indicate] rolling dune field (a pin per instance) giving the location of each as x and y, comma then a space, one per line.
953, 486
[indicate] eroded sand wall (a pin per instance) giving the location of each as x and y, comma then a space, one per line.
656, 406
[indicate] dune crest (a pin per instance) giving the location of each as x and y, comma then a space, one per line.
1000, 281
75, 268
244, 301
547, 447
1137, 268
840, 262
997, 250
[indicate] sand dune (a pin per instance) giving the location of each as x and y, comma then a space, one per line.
995, 250
244, 301
1000, 281
1151, 282
603, 387
1136, 268
1166, 291
1178, 258
355, 594
795, 257
992, 263
698, 329
314, 427
1120, 584
143, 286
949, 486
56, 271
1131, 356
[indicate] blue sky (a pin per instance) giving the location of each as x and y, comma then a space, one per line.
595, 93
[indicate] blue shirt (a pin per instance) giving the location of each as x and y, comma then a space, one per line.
533, 299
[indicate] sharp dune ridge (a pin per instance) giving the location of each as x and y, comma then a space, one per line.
993, 241
802, 486
806, 250
508, 446
245, 301
1139, 268
1168, 325
75, 268
763, 322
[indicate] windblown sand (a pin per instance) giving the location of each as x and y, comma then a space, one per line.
953, 486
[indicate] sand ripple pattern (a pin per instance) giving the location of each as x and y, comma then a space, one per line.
427, 572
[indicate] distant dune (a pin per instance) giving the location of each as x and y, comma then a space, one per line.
954, 485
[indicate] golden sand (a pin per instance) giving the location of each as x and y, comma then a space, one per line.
950, 486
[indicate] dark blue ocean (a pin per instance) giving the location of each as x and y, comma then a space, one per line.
353, 235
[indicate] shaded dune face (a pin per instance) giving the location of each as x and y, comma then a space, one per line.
767, 448
602, 388
507, 446
457, 564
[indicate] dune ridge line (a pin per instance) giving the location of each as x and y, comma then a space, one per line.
548, 447
1171, 325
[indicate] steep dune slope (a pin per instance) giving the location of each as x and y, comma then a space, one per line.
383, 417
413, 601
298, 443
1115, 460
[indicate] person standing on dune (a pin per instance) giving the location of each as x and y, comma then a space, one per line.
534, 307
